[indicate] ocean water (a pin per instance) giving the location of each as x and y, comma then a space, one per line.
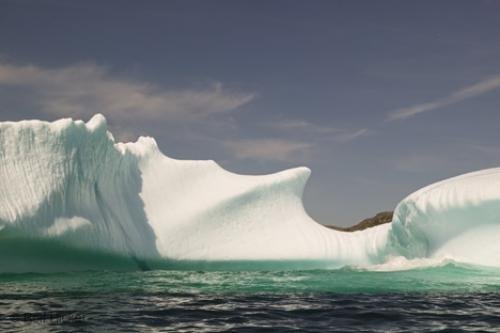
447, 298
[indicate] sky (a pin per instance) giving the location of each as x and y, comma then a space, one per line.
377, 98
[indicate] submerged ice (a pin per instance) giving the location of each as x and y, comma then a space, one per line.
69, 183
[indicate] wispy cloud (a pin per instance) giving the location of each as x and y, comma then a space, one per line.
474, 90
300, 126
347, 136
268, 149
84, 89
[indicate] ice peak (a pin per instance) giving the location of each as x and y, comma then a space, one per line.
97, 122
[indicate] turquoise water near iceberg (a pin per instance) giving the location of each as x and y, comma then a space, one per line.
451, 297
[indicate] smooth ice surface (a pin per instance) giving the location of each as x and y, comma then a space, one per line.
458, 217
69, 183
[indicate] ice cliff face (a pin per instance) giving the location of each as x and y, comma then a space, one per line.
457, 217
68, 183
68, 180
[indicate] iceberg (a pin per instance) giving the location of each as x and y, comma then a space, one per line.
73, 198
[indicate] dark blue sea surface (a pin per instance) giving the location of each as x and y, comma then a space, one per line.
450, 298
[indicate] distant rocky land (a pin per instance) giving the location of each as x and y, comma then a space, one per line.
380, 218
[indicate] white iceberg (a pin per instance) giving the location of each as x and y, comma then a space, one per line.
69, 183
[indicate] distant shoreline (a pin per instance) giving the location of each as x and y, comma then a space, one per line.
380, 218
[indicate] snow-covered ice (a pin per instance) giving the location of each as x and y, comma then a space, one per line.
69, 182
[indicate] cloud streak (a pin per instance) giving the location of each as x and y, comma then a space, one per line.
347, 136
268, 149
84, 89
295, 126
303, 126
474, 90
